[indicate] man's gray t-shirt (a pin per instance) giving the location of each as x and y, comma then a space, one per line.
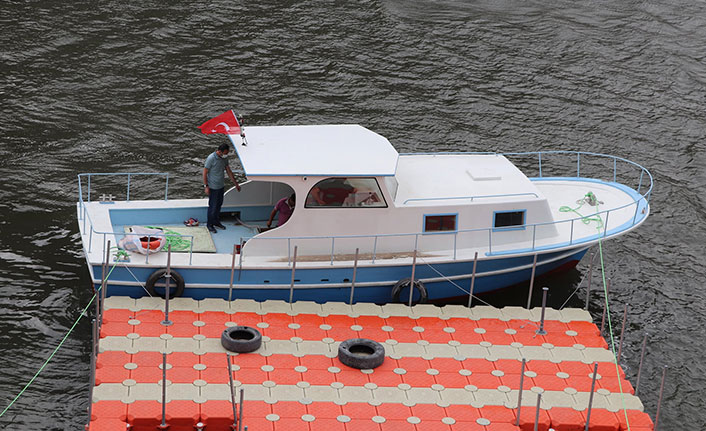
216, 167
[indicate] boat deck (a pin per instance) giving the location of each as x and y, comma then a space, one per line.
446, 368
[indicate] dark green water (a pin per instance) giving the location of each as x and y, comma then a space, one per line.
107, 87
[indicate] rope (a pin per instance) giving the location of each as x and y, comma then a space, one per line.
590, 199
61, 343
452, 282
173, 238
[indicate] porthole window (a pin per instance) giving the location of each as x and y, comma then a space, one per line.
346, 192
509, 219
439, 222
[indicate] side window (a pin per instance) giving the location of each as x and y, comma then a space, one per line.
439, 222
509, 219
346, 192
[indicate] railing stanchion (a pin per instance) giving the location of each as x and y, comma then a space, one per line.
590, 397
167, 287
166, 188
531, 286
571, 237
191, 250
639, 368
104, 284
622, 333
355, 270
147, 255
411, 280
639, 185
540, 164
92, 379
659, 401
89, 188
333, 245
578, 165
590, 275
164, 391
294, 268
289, 251
607, 290
473, 279
240, 261
541, 330
536, 415
232, 392
375, 248
232, 273
605, 229
240, 416
519, 396
127, 198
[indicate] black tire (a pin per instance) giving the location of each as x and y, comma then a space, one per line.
176, 287
241, 339
361, 353
404, 285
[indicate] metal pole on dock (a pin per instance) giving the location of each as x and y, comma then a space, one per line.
536, 416
232, 392
104, 284
294, 269
519, 396
590, 397
240, 418
167, 287
411, 280
541, 330
355, 270
659, 402
164, 391
232, 273
473, 280
531, 286
240, 261
607, 291
590, 275
639, 368
622, 332
92, 380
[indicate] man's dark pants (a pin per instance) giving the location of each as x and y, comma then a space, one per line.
215, 201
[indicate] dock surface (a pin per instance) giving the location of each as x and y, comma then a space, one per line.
446, 368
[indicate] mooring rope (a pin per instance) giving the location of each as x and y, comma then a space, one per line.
61, 343
590, 198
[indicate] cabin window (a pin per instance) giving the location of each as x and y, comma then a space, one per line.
346, 192
509, 219
439, 222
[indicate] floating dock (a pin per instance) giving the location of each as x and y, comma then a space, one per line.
446, 368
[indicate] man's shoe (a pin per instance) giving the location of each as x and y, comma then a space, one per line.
212, 229
219, 225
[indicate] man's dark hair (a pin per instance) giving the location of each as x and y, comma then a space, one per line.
223, 147
292, 197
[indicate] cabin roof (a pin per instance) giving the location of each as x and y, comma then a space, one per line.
322, 150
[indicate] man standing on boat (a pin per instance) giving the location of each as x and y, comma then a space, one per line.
214, 184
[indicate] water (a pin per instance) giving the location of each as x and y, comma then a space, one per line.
117, 88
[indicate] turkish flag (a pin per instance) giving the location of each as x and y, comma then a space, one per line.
224, 123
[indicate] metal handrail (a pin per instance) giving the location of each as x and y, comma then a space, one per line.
472, 197
644, 197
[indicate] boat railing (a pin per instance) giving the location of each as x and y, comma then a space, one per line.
643, 185
85, 217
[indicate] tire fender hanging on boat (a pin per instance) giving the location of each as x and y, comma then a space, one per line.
404, 283
160, 275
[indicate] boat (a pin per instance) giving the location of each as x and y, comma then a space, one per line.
369, 224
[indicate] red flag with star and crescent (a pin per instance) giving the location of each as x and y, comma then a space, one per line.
225, 123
